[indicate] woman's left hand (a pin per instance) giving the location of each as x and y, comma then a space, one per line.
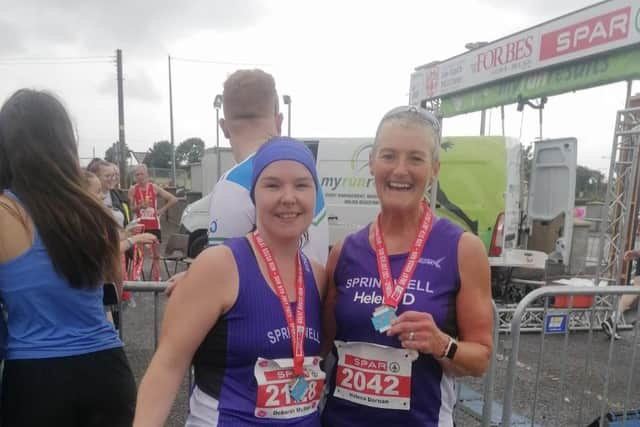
418, 331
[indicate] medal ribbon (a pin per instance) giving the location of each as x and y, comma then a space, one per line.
393, 293
138, 262
296, 325
123, 262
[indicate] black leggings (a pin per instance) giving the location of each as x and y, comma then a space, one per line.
89, 390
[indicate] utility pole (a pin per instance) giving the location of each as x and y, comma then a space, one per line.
287, 101
217, 104
122, 158
173, 144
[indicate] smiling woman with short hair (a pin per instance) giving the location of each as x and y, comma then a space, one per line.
409, 297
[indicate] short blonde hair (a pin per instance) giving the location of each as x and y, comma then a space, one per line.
407, 116
250, 94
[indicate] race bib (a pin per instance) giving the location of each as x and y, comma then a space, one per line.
275, 379
148, 213
374, 375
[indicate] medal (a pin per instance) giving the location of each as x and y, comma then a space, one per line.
384, 315
296, 325
298, 388
382, 318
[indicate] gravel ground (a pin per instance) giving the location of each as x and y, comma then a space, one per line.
568, 394
139, 346
561, 393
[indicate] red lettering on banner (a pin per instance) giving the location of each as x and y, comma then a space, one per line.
375, 365
433, 80
583, 35
502, 55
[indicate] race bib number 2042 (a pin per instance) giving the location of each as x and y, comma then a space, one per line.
275, 378
374, 375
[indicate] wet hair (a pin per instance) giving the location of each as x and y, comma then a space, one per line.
39, 163
408, 116
249, 94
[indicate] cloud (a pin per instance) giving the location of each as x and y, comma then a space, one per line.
543, 10
142, 27
11, 40
137, 85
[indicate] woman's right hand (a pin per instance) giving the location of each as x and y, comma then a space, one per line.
144, 238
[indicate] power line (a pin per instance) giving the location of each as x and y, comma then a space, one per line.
63, 60
211, 61
56, 58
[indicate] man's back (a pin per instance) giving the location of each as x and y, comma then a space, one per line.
251, 117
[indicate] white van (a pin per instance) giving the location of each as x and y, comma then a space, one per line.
480, 187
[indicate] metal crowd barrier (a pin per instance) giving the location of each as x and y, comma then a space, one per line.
568, 315
480, 405
558, 321
156, 288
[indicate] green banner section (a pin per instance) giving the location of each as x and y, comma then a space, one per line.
595, 71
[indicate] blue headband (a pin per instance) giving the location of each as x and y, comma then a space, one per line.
282, 148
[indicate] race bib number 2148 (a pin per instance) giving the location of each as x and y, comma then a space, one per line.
275, 378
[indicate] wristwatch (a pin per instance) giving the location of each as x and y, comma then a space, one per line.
450, 349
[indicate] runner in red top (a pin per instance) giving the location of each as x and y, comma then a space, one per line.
143, 198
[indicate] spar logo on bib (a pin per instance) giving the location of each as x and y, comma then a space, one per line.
374, 375
374, 365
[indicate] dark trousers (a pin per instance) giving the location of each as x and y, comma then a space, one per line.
89, 390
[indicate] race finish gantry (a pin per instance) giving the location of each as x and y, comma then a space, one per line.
593, 46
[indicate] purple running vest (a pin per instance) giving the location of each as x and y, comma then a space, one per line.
254, 327
432, 289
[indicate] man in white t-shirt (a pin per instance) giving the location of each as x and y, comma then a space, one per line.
251, 117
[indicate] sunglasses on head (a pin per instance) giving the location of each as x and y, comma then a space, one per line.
423, 114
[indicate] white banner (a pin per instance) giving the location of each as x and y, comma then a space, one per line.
600, 28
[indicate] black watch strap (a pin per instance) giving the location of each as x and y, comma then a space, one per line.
453, 347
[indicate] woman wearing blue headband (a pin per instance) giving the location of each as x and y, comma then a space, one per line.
247, 313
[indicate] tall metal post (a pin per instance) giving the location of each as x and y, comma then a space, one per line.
122, 159
483, 119
632, 213
289, 119
540, 119
217, 104
287, 101
173, 144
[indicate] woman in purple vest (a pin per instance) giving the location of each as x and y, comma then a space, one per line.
409, 298
247, 313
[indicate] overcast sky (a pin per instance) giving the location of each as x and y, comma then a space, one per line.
344, 63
